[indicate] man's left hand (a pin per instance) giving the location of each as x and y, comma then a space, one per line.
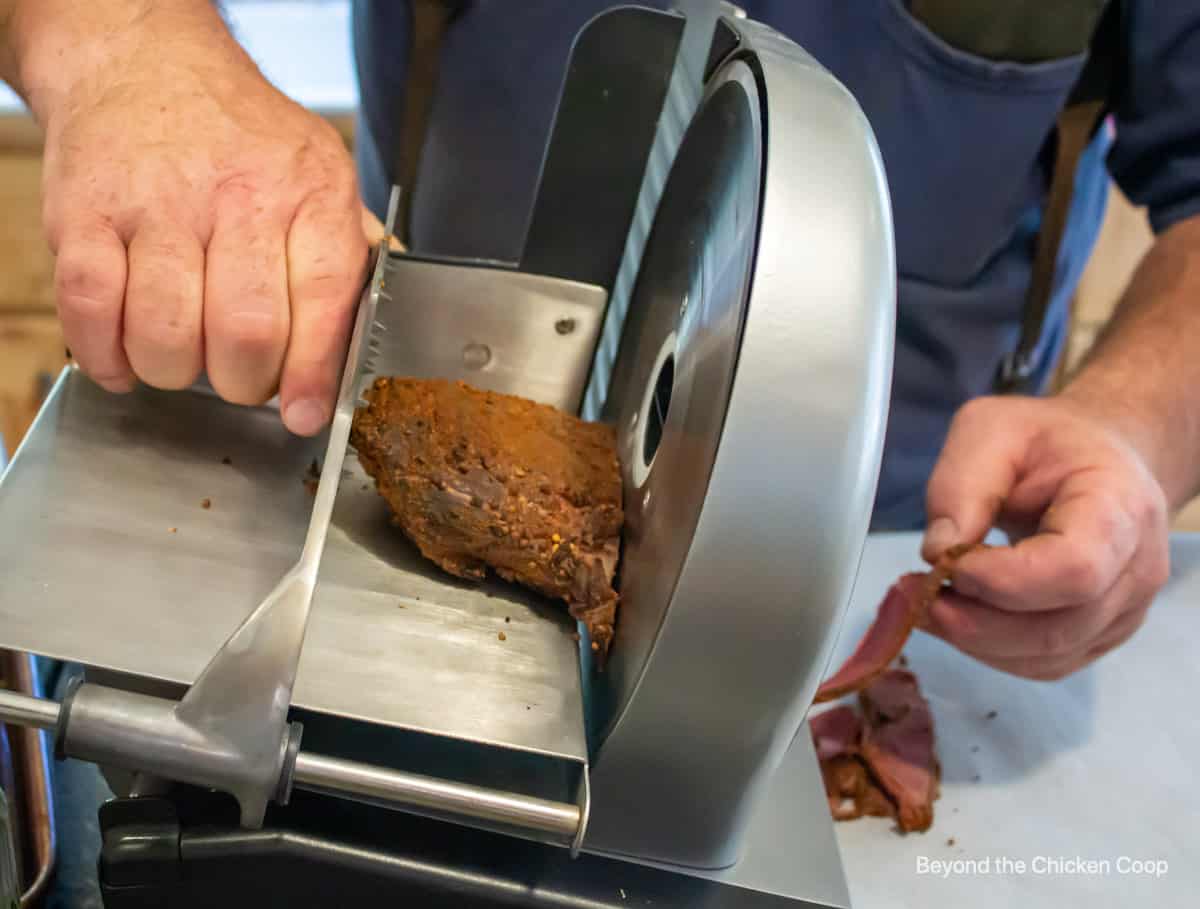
1088, 522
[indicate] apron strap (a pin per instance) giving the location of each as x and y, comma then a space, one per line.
430, 19
1077, 124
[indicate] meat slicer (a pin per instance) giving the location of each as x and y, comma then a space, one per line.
709, 265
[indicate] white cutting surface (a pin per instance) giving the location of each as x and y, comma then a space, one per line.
1102, 766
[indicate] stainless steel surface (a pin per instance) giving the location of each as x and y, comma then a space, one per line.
493, 327
744, 536
107, 558
115, 728
683, 95
513, 333
790, 845
791, 848
396, 641
106, 553
556, 821
26, 710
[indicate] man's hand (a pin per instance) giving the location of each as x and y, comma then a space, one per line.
1089, 524
1085, 480
200, 219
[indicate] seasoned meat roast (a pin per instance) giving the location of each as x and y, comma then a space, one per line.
480, 480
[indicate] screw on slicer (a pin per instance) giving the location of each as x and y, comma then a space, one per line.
476, 356
564, 326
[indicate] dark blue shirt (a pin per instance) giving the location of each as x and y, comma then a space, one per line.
963, 139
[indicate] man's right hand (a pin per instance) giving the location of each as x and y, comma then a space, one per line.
200, 219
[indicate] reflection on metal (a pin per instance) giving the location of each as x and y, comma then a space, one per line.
494, 327
30, 805
683, 95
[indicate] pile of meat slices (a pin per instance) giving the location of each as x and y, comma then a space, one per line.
881, 759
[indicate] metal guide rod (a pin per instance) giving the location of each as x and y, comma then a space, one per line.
378, 785
26, 710
395, 789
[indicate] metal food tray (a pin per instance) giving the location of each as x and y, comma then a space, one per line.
174, 513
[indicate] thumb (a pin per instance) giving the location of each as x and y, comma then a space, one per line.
973, 476
326, 262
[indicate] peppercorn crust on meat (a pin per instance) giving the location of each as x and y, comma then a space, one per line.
481, 480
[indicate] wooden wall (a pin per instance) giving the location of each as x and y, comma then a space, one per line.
31, 344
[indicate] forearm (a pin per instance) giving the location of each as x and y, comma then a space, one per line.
1143, 375
52, 48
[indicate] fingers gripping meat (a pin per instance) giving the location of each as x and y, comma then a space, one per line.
903, 609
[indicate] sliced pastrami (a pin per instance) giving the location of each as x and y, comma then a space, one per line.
898, 746
836, 732
851, 791
904, 607
881, 762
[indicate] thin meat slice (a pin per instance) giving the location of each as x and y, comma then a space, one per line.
898, 614
905, 606
898, 746
851, 791
848, 786
836, 732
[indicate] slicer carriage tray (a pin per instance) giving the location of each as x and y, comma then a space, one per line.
137, 531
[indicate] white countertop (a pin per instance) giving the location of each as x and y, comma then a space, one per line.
1101, 766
